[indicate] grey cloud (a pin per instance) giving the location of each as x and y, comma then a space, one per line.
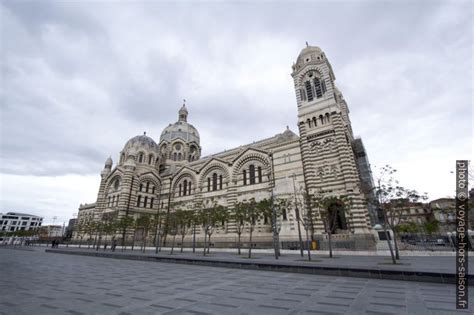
82, 78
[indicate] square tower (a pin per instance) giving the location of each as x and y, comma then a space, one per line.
326, 139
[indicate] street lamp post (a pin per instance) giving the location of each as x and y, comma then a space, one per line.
297, 212
275, 229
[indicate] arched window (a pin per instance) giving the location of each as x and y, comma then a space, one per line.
208, 184
214, 181
179, 156
153, 190
245, 177
109, 203
151, 202
321, 118
189, 158
252, 174
189, 187
259, 170
139, 200
327, 117
147, 186
141, 187
220, 182
175, 156
318, 88
315, 122
179, 190
140, 157
303, 95
309, 91
185, 187
308, 121
157, 160
145, 202
284, 215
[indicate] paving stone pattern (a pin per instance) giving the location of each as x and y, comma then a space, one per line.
34, 282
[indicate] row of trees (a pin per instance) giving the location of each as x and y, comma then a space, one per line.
387, 196
244, 215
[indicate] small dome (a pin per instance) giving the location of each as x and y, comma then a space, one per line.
183, 113
140, 143
108, 162
308, 53
181, 129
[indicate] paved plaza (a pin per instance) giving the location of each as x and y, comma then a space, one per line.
35, 282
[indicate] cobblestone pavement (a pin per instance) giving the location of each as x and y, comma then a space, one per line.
437, 264
34, 282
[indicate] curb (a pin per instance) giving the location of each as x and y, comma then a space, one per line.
404, 275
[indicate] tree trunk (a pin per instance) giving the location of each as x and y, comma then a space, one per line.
123, 237
299, 232
194, 238
308, 244
387, 236
209, 243
105, 241
98, 242
205, 235
182, 242
144, 241
397, 253
133, 240
238, 243
250, 243
157, 241
172, 245
330, 244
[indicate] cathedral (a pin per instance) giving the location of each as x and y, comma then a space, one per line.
323, 158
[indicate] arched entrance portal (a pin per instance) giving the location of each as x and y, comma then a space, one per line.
337, 217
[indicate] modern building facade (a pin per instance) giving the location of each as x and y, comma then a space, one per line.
322, 160
14, 221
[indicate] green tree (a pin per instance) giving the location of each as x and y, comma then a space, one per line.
393, 200
184, 222
80, 230
253, 215
109, 225
239, 214
172, 224
123, 224
210, 218
431, 227
408, 227
144, 223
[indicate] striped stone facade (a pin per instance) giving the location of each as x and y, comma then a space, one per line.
153, 177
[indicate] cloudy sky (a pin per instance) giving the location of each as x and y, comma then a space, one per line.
79, 78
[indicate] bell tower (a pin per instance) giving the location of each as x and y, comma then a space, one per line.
326, 138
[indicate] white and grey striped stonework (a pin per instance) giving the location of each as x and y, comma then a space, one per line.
321, 158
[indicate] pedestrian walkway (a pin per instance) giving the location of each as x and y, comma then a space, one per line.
35, 282
411, 268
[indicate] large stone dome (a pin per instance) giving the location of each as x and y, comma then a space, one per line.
140, 149
181, 129
142, 142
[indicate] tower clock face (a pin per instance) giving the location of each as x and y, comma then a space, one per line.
177, 147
